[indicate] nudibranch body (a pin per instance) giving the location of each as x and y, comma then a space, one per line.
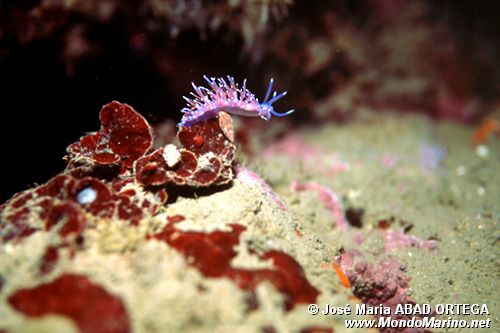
223, 96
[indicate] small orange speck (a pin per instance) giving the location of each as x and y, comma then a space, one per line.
298, 233
344, 280
484, 131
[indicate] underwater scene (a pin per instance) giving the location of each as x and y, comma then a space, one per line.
268, 166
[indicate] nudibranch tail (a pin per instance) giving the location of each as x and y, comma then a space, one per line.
222, 95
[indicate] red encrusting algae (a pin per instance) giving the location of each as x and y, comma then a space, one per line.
49, 259
88, 304
124, 137
63, 201
206, 158
211, 253
106, 170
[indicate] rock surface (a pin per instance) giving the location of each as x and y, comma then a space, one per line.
250, 255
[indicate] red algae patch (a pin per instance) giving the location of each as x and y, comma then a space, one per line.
215, 152
49, 259
90, 185
153, 170
63, 201
19, 223
289, 278
206, 158
211, 253
89, 305
206, 136
124, 137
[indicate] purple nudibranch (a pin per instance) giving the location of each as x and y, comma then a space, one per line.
222, 96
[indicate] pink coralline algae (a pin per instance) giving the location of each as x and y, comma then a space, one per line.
124, 137
399, 240
384, 283
249, 177
329, 199
89, 305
